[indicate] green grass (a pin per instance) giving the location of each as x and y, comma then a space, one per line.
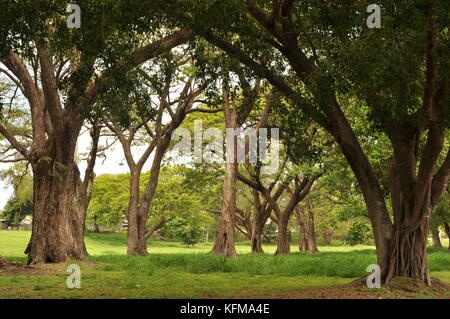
175, 271
13, 244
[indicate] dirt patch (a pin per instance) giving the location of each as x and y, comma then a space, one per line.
396, 290
407, 284
416, 285
10, 268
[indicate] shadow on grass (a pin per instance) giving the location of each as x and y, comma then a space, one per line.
330, 264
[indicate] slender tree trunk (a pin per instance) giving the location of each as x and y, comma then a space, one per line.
327, 236
96, 228
312, 239
283, 246
436, 238
224, 244
447, 231
257, 224
303, 236
256, 246
137, 243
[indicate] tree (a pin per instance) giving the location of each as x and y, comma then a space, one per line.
306, 225
188, 231
157, 137
236, 111
109, 201
328, 50
60, 72
182, 195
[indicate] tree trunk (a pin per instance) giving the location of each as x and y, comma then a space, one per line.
447, 231
283, 246
408, 256
58, 219
436, 238
256, 246
139, 206
327, 236
303, 236
96, 228
137, 241
224, 244
312, 239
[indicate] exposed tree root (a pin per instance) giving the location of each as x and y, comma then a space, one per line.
406, 284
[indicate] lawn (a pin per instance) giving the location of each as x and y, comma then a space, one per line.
175, 271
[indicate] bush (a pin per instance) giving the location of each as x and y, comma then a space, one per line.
186, 231
359, 233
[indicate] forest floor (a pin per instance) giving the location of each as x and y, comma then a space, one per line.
175, 271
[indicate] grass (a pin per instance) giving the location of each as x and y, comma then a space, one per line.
175, 271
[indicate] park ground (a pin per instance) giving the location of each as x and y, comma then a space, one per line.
176, 271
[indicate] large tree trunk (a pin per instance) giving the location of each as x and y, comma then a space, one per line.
283, 246
436, 238
58, 218
408, 256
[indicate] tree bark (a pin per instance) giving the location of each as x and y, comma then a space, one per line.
312, 239
137, 242
256, 246
302, 232
224, 244
283, 246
